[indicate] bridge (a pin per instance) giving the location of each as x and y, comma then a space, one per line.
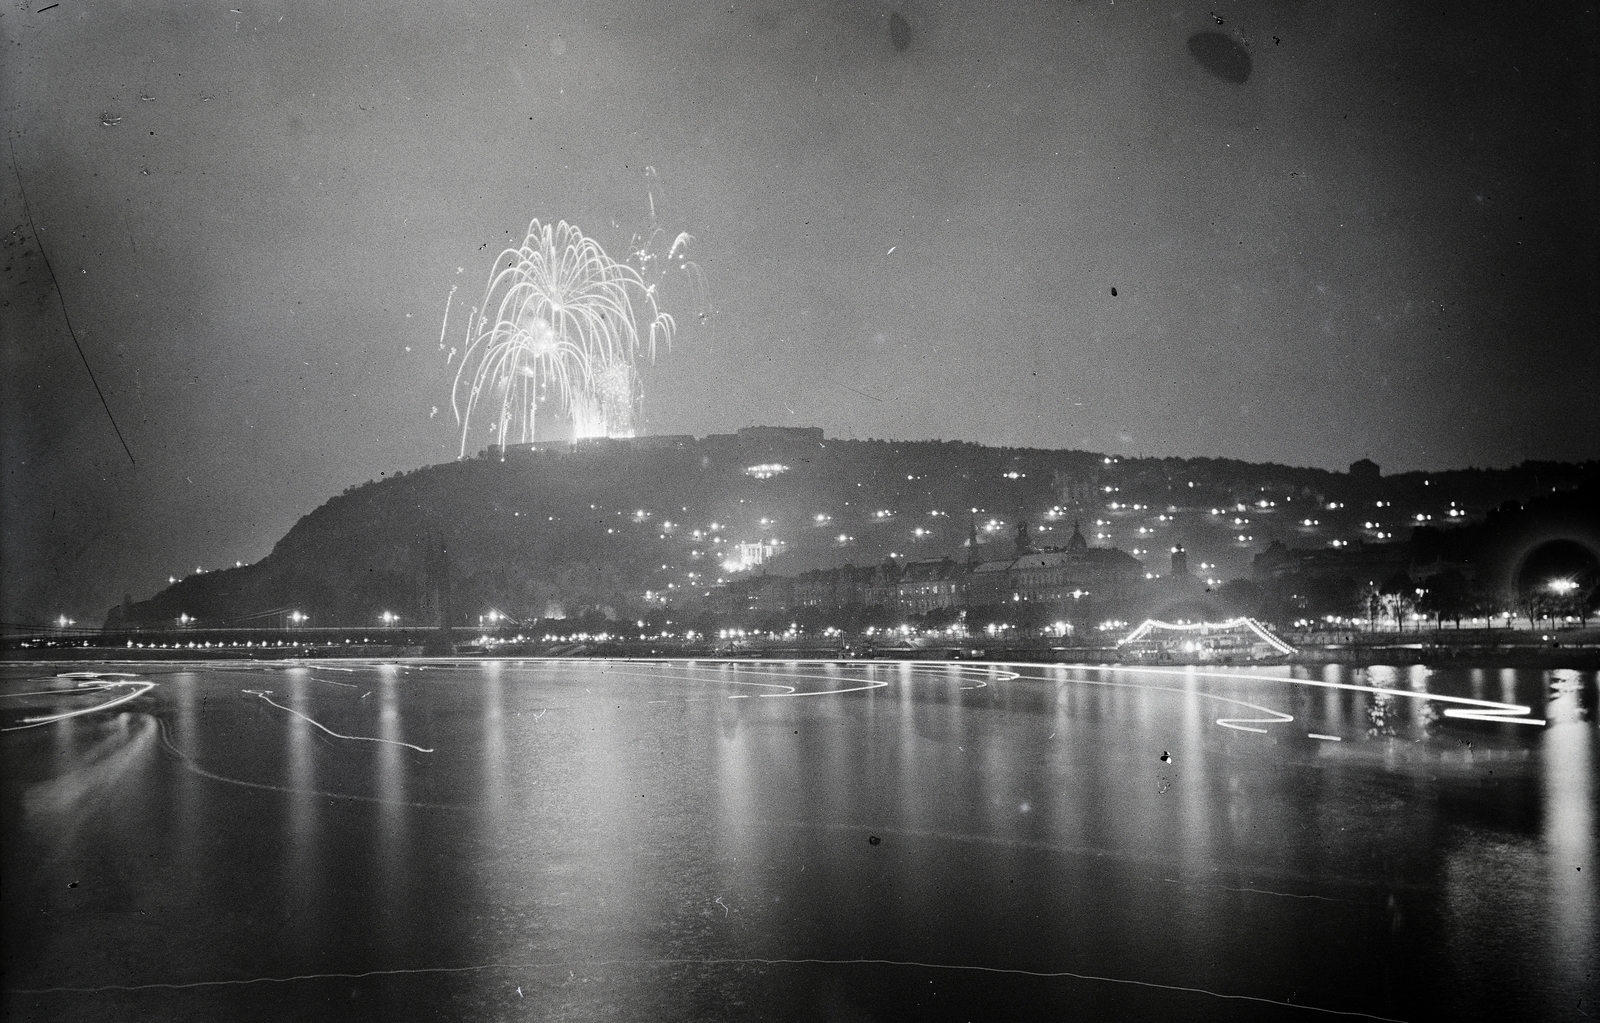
237, 640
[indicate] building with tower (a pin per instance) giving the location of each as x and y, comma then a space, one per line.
1074, 574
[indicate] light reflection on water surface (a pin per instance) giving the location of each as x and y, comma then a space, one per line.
689, 840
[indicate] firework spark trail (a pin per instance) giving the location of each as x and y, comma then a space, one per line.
563, 329
446, 324
675, 261
454, 390
563, 323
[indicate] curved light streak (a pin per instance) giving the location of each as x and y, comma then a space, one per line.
734, 665
1240, 724
265, 695
89, 685
1464, 707
1278, 717
1459, 707
191, 766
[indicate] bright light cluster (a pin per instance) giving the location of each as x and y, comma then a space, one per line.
561, 327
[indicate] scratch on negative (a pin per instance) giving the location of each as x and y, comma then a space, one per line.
593, 964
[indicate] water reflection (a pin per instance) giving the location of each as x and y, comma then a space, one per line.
1508, 685
1333, 702
302, 868
493, 761
586, 813
97, 760
189, 789
391, 838
1570, 825
1189, 776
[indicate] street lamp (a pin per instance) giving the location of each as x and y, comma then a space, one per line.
492, 618
1565, 591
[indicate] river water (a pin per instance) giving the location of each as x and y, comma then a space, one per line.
678, 840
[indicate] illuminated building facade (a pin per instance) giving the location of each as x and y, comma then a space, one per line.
927, 585
1076, 573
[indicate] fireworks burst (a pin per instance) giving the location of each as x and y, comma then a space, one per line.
560, 332
662, 256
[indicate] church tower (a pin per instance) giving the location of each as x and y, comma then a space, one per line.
1076, 544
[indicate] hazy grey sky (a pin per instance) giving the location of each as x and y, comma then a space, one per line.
1381, 243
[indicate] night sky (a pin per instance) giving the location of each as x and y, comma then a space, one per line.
1333, 232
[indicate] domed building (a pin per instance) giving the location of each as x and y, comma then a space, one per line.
1076, 573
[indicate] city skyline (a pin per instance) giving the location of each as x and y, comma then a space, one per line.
1054, 226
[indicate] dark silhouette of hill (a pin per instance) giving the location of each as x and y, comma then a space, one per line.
620, 524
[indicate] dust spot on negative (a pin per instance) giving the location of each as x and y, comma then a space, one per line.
899, 30
1221, 55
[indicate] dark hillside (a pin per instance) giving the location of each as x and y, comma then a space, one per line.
625, 525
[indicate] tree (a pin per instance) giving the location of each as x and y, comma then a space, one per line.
1397, 596
811, 620
1030, 617
940, 618
981, 617
1338, 596
1446, 595
877, 616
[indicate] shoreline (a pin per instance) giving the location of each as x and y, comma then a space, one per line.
1551, 654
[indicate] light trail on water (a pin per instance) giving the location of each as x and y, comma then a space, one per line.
191, 766
1461, 707
90, 683
265, 694
1469, 708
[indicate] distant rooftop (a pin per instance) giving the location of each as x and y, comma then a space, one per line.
782, 434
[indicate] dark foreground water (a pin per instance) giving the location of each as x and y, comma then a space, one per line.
672, 841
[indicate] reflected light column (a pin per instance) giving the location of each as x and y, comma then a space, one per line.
186, 839
303, 864
1194, 795
1333, 701
493, 759
393, 847
1569, 801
